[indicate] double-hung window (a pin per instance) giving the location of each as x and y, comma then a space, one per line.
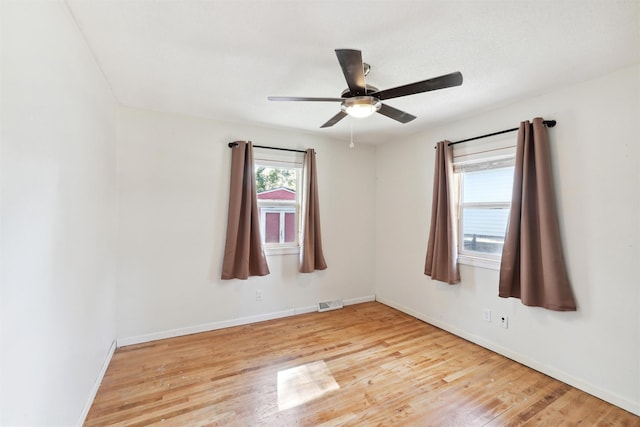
279, 184
484, 180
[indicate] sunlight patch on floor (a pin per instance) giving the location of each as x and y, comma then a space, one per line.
303, 384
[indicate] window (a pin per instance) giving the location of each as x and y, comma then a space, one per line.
278, 213
484, 186
278, 183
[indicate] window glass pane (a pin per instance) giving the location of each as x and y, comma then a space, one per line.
272, 227
272, 178
483, 229
492, 185
289, 227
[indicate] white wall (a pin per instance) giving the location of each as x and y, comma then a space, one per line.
57, 217
597, 171
173, 183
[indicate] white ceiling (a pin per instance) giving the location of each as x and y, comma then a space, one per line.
221, 59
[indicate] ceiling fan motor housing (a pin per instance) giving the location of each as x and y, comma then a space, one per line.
369, 89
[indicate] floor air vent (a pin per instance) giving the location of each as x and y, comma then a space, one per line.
329, 305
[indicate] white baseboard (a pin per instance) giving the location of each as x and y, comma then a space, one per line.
613, 398
138, 339
96, 385
229, 323
359, 300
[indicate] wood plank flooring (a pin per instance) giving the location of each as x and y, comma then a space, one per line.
364, 365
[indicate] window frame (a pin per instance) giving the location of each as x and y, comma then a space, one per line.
488, 156
283, 160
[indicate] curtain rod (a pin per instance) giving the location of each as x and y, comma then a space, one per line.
548, 123
233, 144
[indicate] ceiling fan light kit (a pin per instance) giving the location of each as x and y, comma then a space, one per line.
362, 100
360, 106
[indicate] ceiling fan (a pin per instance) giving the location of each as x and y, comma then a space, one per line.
362, 100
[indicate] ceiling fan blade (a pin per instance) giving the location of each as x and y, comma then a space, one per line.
335, 119
353, 70
448, 80
395, 114
303, 98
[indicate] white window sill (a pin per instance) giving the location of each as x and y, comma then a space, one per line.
281, 250
489, 263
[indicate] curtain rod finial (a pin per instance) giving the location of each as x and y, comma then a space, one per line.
232, 144
550, 123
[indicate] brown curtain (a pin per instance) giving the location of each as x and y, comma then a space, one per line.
311, 256
243, 254
533, 267
442, 250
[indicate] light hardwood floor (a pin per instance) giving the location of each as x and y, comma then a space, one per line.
364, 365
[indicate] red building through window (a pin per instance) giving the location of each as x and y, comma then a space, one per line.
277, 209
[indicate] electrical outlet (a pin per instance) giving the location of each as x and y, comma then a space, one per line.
259, 295
486, 315
504, 322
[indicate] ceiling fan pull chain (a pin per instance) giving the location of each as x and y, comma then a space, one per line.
351, 145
